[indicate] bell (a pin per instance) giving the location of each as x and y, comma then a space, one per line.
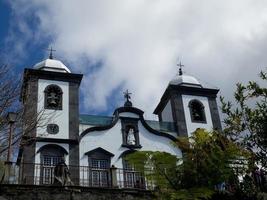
52, 99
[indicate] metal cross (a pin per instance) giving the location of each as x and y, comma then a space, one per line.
180, 68
51, 52
127, 95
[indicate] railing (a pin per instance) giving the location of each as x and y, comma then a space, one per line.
38, 174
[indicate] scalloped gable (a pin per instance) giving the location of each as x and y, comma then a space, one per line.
116, 118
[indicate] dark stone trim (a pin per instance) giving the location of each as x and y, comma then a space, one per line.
99, 150
127, 152
129, 109
116, 118
73, 110
216, 122
158, 133
127, 122
53, 146
56, 140
49, 75
178, 89
74, 157
179, 114
132, 146
99, 128
19, 156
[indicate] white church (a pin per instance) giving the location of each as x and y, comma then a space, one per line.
94, 147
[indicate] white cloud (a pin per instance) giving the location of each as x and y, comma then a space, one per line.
138, 42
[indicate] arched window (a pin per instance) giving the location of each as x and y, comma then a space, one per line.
50, 155
197, 111
53, 97
131, 177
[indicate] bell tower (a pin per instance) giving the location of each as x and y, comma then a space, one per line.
50, 96
189, 104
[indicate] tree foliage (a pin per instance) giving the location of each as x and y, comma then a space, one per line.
205, 164
246, 122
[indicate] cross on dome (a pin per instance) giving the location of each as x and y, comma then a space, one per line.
127, 96
180, 68
51, 52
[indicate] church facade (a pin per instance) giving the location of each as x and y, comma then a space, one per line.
93, 145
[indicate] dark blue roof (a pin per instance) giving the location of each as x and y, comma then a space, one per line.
97, 120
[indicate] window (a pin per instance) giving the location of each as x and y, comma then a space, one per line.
98, 168
131, 177
48, 165
51, 155
99, 172
197, 111
53, 97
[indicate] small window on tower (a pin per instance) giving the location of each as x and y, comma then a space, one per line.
53, 97
197, 111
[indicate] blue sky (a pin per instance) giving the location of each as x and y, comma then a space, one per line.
135, 45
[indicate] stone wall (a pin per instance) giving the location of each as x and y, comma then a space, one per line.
32, 192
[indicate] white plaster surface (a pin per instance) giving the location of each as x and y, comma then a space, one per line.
167, 113
111, 141
52, 65
192, 126
180, 79
128, 114
83, 127
47, 116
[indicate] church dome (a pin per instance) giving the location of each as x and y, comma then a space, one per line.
185, 80
52, 65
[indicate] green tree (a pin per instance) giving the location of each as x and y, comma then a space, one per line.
205, 164
246, 122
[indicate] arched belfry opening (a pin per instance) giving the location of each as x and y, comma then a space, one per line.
53, 97
197, 111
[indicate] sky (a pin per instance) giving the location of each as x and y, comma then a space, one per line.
136, 44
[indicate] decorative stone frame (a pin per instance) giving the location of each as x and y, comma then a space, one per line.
56, 89
126, 124
197, 106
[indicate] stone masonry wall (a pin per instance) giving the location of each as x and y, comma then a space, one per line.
32, 192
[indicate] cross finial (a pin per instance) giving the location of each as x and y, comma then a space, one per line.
180, 68
51, 52
127, 96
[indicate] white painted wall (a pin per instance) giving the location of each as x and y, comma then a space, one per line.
128, 114
59, 117
83, 127
166, 114
111, 141
192, 126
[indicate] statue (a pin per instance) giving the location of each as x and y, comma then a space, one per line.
62, 174
131, 137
